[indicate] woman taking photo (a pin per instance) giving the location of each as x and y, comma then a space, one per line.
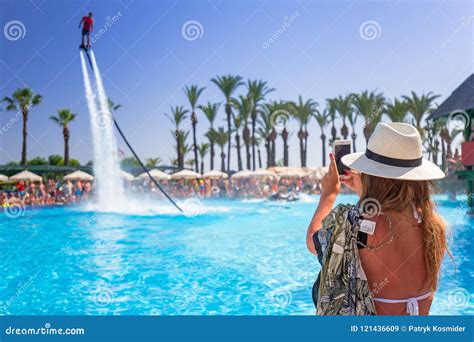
382, 256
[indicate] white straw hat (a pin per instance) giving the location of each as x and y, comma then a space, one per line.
394, 151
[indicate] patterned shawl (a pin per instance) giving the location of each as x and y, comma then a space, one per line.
341, 287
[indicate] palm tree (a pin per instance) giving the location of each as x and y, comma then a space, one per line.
344, 107
371, 106
418, 106
272, 111
221, 141
266, 122
228, 84
448, 135
184, 148
322, 118
152, 162
264, 131
257, 90
332, 112
211, 135
192, 93
286, 108
257, 143
434, 128
397, 110
244, 108
65, 116
202, 149
210, 111
237, 119
22, 100
352, 118
178, 115
303, 111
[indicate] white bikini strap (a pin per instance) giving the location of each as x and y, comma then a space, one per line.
412, 303
416, 214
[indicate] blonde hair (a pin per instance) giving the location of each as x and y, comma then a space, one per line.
398, 195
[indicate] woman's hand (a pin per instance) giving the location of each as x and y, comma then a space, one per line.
352, 180
330, 183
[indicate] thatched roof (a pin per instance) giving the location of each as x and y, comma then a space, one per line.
462, 98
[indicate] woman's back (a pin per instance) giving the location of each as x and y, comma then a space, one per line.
394, 262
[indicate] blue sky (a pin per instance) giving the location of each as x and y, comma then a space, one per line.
146, 61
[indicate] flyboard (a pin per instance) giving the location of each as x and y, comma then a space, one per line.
87, 50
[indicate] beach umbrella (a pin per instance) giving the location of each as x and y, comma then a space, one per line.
127, 176
79, 175
291, 173
320, 172
242, 174
156, 174
215, 174
26, 175
261, 173
185, 174
3, 178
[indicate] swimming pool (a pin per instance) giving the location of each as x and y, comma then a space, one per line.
230, 257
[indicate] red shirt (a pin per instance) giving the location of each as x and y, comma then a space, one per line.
87, 23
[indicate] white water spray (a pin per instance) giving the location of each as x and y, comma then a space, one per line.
109, 188
109, 191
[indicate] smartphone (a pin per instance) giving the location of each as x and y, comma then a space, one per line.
340, 149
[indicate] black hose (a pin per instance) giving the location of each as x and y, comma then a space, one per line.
144, 167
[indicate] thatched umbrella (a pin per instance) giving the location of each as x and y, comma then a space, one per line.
3, 178
79, 175
242, 174
215, 174
185, 174
262, 173
292, 173
156, 174
26, 175
127, 176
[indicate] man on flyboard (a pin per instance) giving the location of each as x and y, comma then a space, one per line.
87, 27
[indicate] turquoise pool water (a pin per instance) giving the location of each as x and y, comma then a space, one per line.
233, 258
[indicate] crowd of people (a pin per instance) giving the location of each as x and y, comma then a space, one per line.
58, 192
50, 192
